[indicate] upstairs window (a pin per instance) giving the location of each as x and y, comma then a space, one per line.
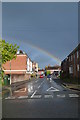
71, 69
77, 67
71, 57
77, 54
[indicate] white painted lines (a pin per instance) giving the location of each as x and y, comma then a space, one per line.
36, 81
36, 96
40, 84
48, 96
73, 95
21, 90
21, 97
52, 89
10, 98
33, 94
61, 96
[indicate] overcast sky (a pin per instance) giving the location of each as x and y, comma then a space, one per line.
45, 31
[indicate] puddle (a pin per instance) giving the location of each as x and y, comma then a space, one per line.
20, 92
25, 91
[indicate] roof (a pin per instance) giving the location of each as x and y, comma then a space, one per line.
78, 47
41, 70
53, 67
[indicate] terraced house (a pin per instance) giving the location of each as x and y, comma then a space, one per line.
18, 69
70, 66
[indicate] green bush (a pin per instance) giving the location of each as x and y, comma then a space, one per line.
71, 80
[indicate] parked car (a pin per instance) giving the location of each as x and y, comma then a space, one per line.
41, 76
49, 77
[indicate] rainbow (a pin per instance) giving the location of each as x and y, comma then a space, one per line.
44, 51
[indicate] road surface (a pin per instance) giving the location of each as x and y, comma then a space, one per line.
42, 98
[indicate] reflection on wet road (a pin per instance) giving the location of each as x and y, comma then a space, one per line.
42, 88
42, 98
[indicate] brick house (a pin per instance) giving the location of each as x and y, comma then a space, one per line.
17, 68
70, 66
65, 68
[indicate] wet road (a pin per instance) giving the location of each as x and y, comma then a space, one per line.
42, 98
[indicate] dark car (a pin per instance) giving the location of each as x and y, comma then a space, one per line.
49, 77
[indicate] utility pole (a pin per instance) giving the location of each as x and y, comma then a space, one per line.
10, 78
10, 72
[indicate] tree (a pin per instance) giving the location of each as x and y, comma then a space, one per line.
7, 53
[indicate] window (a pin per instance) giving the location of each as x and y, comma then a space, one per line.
77, 54
71, 69
77, 67
71, 57
74, 56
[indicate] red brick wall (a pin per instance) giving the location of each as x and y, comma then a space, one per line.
19, 78
20, 63
72, 62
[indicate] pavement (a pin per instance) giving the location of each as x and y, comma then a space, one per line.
8, 89
42, 98
72, 86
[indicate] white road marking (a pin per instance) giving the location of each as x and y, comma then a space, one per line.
61, 96
50, 79
33, 93
48, 96
21, 90
36, 96
36, 90
22, 97
36, 81
52, 89
10, 98
73, 95
40, 84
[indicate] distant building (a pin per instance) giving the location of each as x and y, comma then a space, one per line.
34, 66
29, 65
40, 72
54, 69
70, 66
